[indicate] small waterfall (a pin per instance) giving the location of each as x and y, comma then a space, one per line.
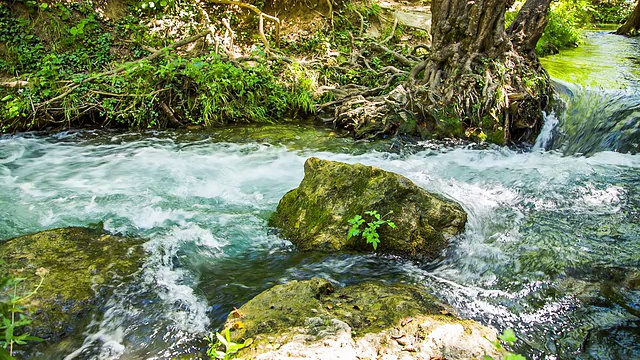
598, 83
593, 120
546, 135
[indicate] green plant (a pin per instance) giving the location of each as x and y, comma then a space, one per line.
564, 27
230, 347
509, 337
612, 11
371, 231
12, 313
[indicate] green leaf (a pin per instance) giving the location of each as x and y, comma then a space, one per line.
4, 355
43, 6
355, 220
34, 338
514, 357
221, 339
487, 357
8, 335
508, 336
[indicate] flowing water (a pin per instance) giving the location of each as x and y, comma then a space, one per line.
600, 83
551, 248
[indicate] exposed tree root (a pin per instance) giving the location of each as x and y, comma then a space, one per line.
261, 17
478, 86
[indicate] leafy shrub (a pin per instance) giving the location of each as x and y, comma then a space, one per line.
611, 11
207, 89
566, 21
167, 91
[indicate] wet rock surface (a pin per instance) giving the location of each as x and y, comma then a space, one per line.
312, 319
82, 266
315, 215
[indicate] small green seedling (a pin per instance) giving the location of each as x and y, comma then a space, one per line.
371, 231
12, 313
509, 337
230, 347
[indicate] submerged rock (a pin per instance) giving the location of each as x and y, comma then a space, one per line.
315, 215
83, 265
310, 319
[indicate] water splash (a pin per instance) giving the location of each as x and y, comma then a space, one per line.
539, 223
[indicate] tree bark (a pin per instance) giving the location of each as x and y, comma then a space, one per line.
482, 75
464, 29
631, 27
528, 26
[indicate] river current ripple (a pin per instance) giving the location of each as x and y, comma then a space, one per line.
550, 245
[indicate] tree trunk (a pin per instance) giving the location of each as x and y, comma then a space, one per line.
528, 26
464, 30
487, 79
631, 27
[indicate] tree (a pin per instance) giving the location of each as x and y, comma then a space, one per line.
485, 75
632, 25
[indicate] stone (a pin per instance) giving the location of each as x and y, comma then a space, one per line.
82, 266
313, 320
315, 215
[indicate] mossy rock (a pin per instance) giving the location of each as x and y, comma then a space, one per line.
312, 319
83, 266
315, 215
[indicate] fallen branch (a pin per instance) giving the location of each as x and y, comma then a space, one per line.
231, 36
14, 84
167, 110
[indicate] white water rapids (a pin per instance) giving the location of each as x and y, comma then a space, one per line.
535, 219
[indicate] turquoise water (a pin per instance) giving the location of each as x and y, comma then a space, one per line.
602, 60
552, 246
543, 227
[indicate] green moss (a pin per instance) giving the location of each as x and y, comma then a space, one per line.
83, 264
366, 307
308, 314
314, 216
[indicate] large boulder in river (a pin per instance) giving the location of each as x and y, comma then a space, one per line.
313, 320
315, 215
83, 265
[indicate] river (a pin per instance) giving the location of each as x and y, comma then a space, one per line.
551, 247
